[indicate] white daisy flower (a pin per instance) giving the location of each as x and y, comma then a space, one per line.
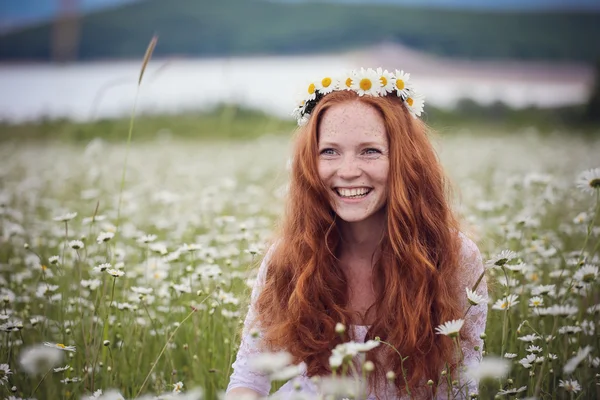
536, 301
510, 355
60, 346
102, 267
39, 359
104, 237
474, 298
65, 217
587, 274
346, 80
367, 82
511, 391
115, 272
415, 103
570, 385
489, 368
543, 290
534, 349
311, 91
450, 328
96, 395
528, 361
387, 79
401, 83
558, 309
303, 120
356, 347
506, 303
4, 373
569, 329
573, 362
299, 111
53, 260
76, 244
326, 85
177, 387
147, 239
502, 258
62, 369
580, 218
529, 338
589, 181
289, 372
271, 362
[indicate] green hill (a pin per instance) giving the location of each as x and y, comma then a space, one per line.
239, 27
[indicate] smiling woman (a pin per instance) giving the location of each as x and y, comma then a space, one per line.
368, 242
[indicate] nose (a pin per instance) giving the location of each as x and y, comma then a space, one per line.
349, 168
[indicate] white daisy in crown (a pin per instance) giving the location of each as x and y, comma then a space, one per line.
402, 84
415, 103
326, 85
367, 82
387, 79
299, 111
346, 80
311, 91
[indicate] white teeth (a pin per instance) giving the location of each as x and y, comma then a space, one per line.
353, 192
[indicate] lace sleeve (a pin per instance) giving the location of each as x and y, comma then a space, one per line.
470, 270
243, 375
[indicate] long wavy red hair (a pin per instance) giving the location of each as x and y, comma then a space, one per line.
305, 292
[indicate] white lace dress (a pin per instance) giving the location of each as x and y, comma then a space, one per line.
471, 267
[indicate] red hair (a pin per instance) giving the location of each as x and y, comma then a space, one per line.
305, 292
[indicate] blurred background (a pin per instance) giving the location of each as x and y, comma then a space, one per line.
507, 62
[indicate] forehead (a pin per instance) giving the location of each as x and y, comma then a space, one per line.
352, 121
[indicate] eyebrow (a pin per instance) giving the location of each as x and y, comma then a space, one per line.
363, 144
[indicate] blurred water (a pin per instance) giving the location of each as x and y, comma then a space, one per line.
106, 89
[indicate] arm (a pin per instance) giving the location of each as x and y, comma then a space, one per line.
246, 383
470, 270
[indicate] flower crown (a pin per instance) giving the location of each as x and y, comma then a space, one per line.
377, 83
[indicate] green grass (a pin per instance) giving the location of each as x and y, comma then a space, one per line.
222, 123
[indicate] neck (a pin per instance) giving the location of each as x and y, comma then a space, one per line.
361, 239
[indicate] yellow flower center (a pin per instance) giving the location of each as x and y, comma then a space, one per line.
383, 80
62, 346
326, 82
311, 88
349, 82
365, 84
410, 101
595, 183
534, 277
400, 84
44, 267
156, 275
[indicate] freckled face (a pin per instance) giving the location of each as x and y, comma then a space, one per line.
354, 160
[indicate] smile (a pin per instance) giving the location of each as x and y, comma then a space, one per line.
354, 193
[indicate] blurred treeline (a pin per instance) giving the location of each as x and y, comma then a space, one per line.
244, 27
232, 122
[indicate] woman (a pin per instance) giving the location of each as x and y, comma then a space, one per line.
368, 241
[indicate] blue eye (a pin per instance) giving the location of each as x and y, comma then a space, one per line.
327, 152
372, 151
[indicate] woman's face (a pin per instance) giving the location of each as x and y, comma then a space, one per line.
353, 159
